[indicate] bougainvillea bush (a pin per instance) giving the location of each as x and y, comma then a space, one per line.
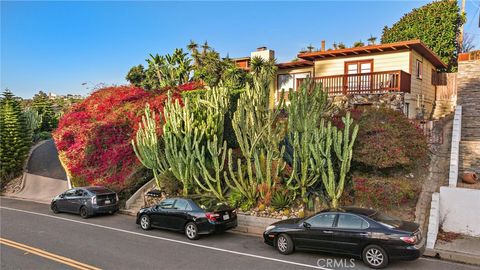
93, 138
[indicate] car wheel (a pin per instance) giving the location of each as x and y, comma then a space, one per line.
375, 257
191, 231
145, 222
83, 212
55, 208
284, 244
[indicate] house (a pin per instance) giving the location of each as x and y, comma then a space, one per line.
402, 75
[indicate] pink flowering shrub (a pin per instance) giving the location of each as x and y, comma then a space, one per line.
94, 136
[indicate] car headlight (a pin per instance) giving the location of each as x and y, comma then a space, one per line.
269, 228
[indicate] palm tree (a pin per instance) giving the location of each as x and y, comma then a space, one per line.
205, 48
193, 48
310, 48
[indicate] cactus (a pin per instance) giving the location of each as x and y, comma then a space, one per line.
181, 139
212, 183
307, 107
188, 129
148, 146
258, 139
336, 151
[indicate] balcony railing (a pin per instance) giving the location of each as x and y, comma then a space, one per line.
365, 83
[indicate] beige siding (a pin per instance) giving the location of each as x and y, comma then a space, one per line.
273, 94
398, 60
421, 86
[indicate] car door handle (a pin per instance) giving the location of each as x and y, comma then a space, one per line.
328, 231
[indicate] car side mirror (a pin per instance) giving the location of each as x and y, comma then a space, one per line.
62, 196
306, 225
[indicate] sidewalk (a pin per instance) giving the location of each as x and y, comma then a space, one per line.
464, 249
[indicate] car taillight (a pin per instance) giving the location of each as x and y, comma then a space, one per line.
94, 200
409, 239
212, 216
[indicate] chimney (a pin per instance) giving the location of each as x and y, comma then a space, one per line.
323, 45
264, 53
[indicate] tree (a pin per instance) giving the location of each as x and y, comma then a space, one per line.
358, 44
14, 136
436, 24
468, 43
310, 48
372, 40
136, 75
44, 106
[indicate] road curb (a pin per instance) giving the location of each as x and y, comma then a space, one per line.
452, 256
250, 225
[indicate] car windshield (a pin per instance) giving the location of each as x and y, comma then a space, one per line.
389, 221
211, 204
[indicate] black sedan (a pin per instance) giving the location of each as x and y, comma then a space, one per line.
193, 216
363, 233
86, 201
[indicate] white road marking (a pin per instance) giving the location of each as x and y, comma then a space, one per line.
171, 240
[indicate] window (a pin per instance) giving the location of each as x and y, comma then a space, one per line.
70, 193
167, 204
181, 204
346, 221
79, 193
419, 69
322, 220
286, 82
406, 109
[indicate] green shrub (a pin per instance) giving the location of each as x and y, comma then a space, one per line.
387, 139
384, 193
235, 198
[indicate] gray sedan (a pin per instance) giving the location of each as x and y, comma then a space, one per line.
86, 201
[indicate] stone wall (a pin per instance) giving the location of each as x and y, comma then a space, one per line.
469, 157
392, 100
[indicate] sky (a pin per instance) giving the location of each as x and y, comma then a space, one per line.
71, 47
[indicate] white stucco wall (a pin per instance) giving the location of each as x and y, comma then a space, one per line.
460, 210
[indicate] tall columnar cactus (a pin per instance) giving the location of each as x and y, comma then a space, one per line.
149, 147
212, 179
307, 107
336, 152
258, 138
181, 139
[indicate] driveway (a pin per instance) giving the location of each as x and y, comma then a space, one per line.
44, 162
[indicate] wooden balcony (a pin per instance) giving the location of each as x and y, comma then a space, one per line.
365, 83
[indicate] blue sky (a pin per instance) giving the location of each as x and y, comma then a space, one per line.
58, 46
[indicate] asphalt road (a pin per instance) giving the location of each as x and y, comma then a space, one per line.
44, 161
116, 242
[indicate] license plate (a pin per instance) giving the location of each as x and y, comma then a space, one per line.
226, 216
107, 201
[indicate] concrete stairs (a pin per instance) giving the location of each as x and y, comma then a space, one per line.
469, 99
443, 108
135, 206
